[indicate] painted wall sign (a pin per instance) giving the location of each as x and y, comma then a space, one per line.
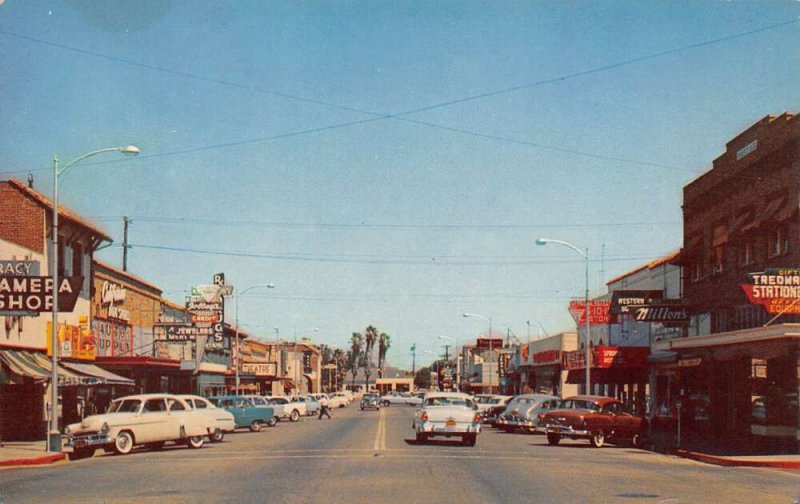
776, 289
547, 357
260, 368
74, 341
35, 293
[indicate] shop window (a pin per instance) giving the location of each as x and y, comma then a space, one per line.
746, 253
777, 242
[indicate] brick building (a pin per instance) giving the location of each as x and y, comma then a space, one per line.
738, 367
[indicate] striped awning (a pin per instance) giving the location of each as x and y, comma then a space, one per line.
38, 366
97, 375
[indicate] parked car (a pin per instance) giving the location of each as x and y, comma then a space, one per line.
490, 406
284, 408
245, 412
524, 412
395, 398
219, 420
337, 400
415, 399
321, 398
596, 418
312, 405
370, 401
447, 414
148, 419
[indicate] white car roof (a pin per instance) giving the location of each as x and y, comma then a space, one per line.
459, 395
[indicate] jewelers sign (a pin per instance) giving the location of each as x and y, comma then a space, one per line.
776, 289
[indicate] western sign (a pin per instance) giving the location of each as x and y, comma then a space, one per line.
621, 299
35, 293
660, 313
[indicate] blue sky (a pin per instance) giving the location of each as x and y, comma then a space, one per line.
388, 163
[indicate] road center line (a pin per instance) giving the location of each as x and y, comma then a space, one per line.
380, 436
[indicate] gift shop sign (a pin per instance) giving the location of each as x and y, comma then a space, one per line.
35, 293
776, 289
598, 309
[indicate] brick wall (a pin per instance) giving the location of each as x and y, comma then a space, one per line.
21, 220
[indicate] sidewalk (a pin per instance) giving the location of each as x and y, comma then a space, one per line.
772, 461
27, 453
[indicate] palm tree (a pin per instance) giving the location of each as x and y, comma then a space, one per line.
356, 342
340, 359
370, 337
384, 343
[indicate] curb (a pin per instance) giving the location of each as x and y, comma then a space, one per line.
48, 459
733, 462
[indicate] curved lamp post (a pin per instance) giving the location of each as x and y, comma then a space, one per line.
53, 436
585, 255
458, 358
487, 319
236, 343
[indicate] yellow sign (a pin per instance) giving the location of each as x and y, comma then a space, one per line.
74, 342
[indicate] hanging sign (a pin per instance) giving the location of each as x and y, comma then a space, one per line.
35, 293
660, 312
621, 299
776, 289
598, 308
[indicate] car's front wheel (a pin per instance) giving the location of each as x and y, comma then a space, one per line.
294, 416
216, 436
598, 439
123, 443
386, 403
255, 426
553, 439
272, 422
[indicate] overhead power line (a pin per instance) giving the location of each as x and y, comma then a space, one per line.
375, 260
377, 116
385, 226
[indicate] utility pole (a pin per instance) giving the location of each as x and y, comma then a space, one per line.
413, 364
125, 221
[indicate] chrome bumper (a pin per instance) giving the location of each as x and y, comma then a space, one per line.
566, 430
89, 440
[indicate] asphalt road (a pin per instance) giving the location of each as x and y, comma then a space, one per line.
372, 457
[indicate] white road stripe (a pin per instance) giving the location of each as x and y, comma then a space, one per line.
380, 436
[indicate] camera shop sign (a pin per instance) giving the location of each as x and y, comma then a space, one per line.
35, 293
776, 289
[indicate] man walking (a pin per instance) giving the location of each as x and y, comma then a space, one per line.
324, 409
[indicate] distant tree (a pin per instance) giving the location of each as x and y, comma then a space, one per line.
370, 338
340, 359
384, 343
423, 378
356, 343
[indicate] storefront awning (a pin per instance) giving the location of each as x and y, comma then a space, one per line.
38, 366
97, 374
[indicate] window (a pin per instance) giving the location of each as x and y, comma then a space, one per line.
198, 404
176, 406
77, 260
697, 271
154, 405
746, 253
778, 242
719, 259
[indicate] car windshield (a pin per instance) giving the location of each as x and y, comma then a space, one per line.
447, 401
125, 406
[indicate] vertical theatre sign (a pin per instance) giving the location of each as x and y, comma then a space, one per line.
776, 289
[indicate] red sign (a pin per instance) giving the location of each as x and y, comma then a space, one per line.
772, 304
547, 357
607, 357
485, 343
599, 310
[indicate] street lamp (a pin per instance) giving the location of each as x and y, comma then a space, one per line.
487, 319
53, 437
587, 312
458, 359
236, 343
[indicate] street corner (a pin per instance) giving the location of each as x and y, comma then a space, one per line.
9, 463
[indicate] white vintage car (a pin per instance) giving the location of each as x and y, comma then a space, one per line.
284, 408
447, 414
219, 420
148, 419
